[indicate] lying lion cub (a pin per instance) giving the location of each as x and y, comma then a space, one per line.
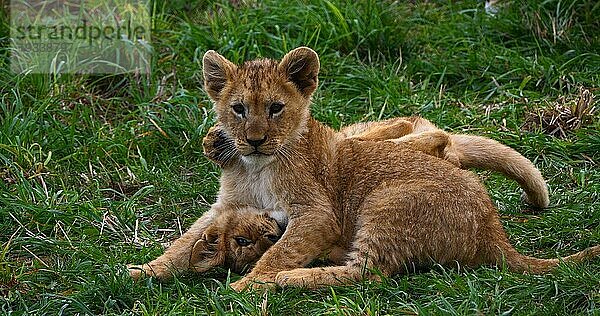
416, 132
234, 240
465, 151
390, 206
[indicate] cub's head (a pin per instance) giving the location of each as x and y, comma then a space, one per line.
263, 105
236, 240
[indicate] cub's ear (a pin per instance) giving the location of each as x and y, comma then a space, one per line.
204, 257
280, 217
211, 235
199, 251
217, 70
302, 68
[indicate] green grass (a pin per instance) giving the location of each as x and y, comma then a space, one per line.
100, 172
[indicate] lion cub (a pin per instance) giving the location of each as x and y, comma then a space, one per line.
234, 240
465, 151
417, 133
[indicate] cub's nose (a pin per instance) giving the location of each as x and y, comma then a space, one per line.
256, 142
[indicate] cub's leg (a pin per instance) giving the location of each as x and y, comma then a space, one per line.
313, 278
416, 132
311, 231
208, 252
359, 128
422, 125
384, 131
176, 258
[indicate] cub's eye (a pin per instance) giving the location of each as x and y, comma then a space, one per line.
273, 238
243, 242
275, 108
239, 109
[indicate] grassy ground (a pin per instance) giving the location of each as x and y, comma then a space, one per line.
98, 172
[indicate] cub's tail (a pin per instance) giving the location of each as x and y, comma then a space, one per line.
517, 262
485, 153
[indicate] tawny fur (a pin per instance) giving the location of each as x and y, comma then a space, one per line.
485, 153
392, 207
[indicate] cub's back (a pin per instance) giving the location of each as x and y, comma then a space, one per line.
364, 166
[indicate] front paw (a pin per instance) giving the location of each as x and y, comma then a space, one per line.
261, 282
138, 272
217, 145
